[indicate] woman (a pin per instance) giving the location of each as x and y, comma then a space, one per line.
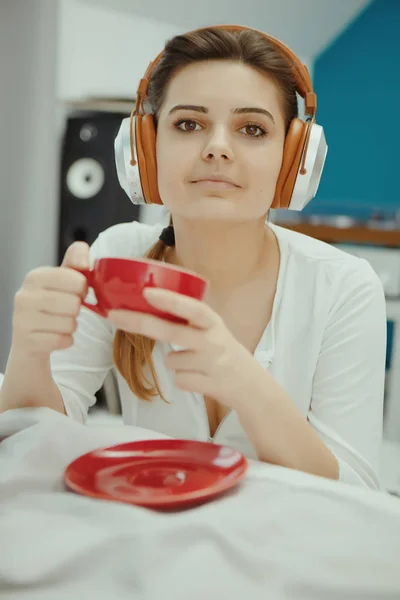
285, 358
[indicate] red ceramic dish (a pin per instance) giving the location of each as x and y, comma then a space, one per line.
118, 283
160, 474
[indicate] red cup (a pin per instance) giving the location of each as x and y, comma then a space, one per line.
118, 283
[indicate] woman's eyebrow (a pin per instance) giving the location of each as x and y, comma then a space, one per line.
253, 109
236, 111
201, 109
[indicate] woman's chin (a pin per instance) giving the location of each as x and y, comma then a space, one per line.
216, 206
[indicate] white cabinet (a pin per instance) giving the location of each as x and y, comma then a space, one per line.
384, 261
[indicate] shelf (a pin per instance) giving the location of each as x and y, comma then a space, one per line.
359, 234
112, 105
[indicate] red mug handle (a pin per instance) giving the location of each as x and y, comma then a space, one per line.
93, 307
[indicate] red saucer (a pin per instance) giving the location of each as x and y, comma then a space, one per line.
157, 473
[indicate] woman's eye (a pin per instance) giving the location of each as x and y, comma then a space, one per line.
253, 130
187, 125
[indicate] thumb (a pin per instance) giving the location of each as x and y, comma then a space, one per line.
77, 256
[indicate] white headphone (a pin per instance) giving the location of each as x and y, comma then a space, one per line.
304, 151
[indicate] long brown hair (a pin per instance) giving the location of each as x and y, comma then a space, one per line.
133, 353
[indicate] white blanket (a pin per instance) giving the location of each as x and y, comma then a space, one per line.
280, 535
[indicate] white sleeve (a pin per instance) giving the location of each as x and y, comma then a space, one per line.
348, 389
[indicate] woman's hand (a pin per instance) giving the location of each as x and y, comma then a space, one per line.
47, 305
212, 363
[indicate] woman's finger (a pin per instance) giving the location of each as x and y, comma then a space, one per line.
195, 382
157, 329
186, 360
197, 312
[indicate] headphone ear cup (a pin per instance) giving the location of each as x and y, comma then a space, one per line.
147, 159
292, 153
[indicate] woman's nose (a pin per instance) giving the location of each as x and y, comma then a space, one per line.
218, 146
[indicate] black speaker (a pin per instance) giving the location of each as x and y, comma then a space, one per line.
91, 198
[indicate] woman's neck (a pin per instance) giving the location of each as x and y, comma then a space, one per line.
227, 254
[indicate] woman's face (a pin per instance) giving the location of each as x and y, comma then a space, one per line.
220, 120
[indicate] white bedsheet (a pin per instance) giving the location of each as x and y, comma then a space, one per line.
280, 535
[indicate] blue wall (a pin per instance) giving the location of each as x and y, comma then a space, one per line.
357, 81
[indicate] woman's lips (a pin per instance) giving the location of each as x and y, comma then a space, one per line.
215, 185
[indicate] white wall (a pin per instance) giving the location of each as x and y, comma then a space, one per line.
103, 52
307, 26
28, 147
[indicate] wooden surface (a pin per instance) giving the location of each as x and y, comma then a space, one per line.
351, 235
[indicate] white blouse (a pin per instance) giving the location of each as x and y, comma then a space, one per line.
325, 344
